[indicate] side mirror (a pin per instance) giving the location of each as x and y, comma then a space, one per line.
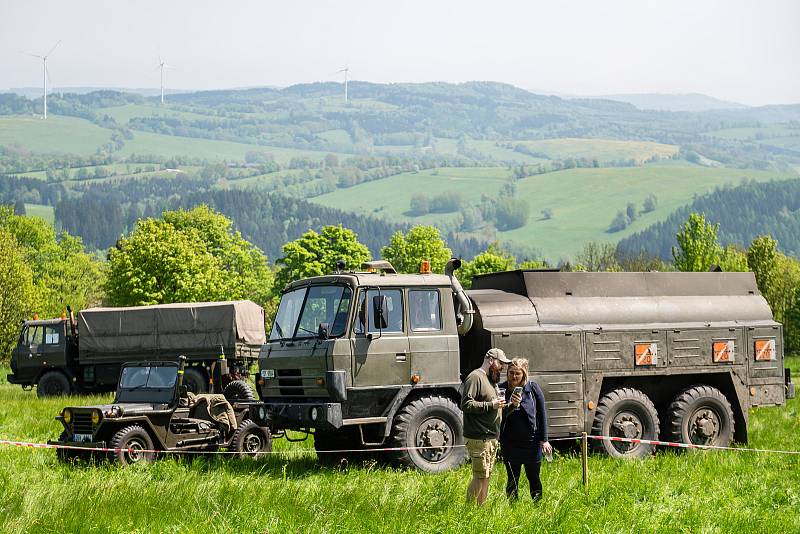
323, 332
380, 311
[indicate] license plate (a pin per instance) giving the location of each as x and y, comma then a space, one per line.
268, 373
81, 438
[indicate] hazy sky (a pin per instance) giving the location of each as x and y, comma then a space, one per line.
746, 51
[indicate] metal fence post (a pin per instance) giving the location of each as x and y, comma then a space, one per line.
585, 459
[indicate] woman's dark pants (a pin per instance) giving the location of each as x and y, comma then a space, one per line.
514, 470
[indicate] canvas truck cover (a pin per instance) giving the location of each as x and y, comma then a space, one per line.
171, 329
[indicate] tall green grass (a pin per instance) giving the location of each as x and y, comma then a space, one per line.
289, 492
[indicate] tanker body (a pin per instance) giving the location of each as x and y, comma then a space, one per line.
60, 356
368, 359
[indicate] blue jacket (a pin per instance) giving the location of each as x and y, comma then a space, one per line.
534, 407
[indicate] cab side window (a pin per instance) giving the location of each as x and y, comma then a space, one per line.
35, 335
424, 310
394, 300
51, 335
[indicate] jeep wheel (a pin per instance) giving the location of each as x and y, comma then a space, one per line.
133, 446
239, 390
701, 415
430, 430
53, 384
195, 380
250, 439
625, 413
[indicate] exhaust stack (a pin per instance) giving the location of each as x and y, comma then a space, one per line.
71, 320
464, 312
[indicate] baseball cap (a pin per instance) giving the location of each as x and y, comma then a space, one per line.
498, 355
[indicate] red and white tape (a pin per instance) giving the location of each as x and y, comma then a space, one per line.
687, 445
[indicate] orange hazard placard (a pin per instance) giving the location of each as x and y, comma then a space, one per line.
723, 351
765, 350
646, 353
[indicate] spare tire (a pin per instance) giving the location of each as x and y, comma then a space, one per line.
239, 390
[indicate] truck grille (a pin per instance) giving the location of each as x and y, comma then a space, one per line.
82, 423
290, 382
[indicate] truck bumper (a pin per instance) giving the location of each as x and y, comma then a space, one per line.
79, 444
11, 379
298, 415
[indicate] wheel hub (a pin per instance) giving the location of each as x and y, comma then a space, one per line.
626, 425
135, 453
704, 426
252, 443
434, 437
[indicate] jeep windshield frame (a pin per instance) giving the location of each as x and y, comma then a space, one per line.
153, 382
304, 308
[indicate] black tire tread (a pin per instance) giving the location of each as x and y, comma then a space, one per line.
244, 427
120, 435
197, 376
607, 403
678, 408
53, 375
239, 390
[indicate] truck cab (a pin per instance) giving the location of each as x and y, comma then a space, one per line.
352, 352
43, 347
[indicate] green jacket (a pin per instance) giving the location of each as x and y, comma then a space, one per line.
477, 394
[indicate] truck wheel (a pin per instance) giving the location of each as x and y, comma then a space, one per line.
239, 390
625, 413
132, 442
430, 429
66, 455
195, 380
701, 415
53, 384
251, 439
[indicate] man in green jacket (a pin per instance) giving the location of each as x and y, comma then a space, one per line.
483, 408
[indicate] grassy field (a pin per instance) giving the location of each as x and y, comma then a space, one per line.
391, 197
48, 213
290, 492
66, 135
583, 201
601, 149
122, 114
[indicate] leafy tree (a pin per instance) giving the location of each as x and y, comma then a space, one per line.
316, 254
492, 260
619, 223
19, 208
630, 211
697, 248
17, 294
187, 256
598, 257
421, 243
650, 203
733, 259
63, 274
420, 205
511, 213
547, 214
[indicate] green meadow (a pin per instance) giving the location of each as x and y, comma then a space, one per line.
57, 134
735, 491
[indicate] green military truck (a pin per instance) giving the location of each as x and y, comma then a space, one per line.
62, 356
375, 359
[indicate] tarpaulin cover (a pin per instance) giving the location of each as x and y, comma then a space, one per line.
171, 328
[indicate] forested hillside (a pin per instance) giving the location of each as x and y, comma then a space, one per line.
743, 213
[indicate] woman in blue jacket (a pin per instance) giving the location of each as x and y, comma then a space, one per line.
523, 436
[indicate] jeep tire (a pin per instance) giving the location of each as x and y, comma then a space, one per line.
135, 438
250, 439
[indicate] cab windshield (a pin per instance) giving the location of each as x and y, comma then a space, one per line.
156, 377
302, 310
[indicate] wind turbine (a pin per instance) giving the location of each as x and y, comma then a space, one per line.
161, 65
345, 70
45, 73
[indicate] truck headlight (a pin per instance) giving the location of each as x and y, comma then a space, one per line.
66, 413
262, 413
95, 417
314, 414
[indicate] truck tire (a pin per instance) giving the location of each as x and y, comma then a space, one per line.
429, 422
137, 439
66, 455
701, 415
239, 390
625, 413
53, 384
251, 439
195, 380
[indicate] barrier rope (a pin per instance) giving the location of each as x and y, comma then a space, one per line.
33, 445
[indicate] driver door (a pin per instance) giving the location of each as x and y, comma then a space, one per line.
381, 355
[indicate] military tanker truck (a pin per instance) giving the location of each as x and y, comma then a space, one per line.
375, 359
62, 356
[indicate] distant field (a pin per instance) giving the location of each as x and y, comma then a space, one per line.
391, 197
261, 180
122, 114
584, 201
601, 149
168, 145
763, 132
40, 210
490, 149
57, 134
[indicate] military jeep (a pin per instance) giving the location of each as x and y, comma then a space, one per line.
153, 411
